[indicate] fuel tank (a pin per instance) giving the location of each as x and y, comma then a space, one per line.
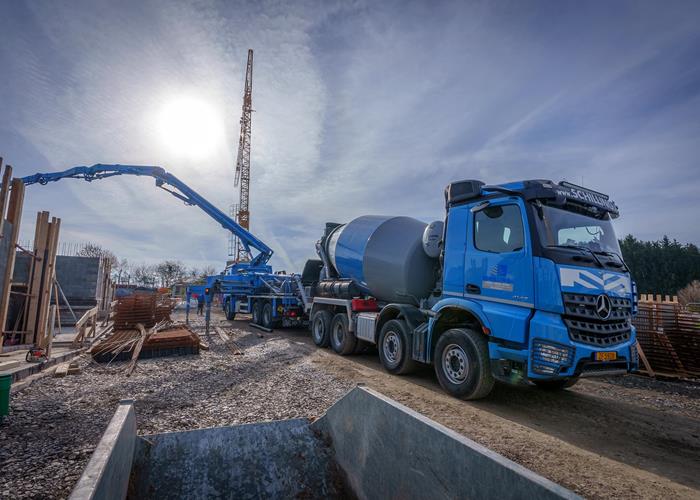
385, 256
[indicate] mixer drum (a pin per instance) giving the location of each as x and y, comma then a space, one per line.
384, 255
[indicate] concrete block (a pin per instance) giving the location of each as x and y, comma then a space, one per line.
107, 474
8, 365
389, 451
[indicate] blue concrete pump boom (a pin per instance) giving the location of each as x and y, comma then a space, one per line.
163, 178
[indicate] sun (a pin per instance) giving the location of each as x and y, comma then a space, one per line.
189, 126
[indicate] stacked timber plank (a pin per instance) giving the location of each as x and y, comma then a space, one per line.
669, 335
172, 341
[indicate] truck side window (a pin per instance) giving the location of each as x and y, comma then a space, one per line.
499, 229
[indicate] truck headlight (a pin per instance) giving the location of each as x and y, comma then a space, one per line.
548, 358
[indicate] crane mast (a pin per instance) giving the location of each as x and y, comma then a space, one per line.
242, 179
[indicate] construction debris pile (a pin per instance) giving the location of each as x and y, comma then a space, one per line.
164, 339
140, 327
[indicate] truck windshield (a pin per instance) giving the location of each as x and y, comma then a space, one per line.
558, 227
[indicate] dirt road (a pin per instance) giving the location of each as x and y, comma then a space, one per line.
599, 438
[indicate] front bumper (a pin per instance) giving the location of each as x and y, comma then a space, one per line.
551, 354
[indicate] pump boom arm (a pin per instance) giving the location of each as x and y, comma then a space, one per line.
180, 190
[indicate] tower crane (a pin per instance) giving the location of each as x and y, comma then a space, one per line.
242, 180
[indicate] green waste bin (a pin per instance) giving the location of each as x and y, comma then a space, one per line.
5, 383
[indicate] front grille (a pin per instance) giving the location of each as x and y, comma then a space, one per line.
587, 327
578, 305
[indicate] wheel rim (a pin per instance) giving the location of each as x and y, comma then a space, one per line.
455, 364
338, 334
391, 347
318, 330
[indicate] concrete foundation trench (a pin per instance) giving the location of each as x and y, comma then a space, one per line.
365, 446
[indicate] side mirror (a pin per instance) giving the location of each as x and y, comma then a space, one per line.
480, 207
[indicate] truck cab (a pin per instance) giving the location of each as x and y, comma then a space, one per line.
535, 269
530, 288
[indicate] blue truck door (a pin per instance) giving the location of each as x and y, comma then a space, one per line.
498, 266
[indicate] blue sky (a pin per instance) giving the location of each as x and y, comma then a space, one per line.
360, 107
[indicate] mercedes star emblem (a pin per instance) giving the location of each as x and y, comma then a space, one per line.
603, 306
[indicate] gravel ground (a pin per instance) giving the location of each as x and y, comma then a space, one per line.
55, 423
627, 437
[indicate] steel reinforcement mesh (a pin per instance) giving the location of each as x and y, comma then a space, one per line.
147, 308
669, 335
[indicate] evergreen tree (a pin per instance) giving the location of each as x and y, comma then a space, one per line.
661, 267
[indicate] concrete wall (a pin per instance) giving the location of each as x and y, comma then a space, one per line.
269, 460
390, 451
106, 476
77, 276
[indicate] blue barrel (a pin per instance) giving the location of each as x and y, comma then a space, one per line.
384, 255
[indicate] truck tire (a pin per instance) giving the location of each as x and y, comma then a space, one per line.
462, 364
556, 385
257, 312
342, 341
266, 319
395, 349
321, 327
229, 311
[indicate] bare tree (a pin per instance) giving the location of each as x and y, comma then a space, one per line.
690, 294
121, 272
144, 274
208, 271
170, 271
95, 250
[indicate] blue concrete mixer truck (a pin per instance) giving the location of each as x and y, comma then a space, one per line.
523, 282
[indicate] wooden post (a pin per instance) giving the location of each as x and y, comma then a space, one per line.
4, 190
47, 281
58, 307
93, 325
40, 234
52, 316
645, 362
14, 217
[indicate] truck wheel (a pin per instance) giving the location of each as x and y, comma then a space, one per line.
229, 310
394, 348
462, 364
267, 321
342, 341
321, 327
556, 385
257, 312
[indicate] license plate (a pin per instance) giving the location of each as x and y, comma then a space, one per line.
606, 356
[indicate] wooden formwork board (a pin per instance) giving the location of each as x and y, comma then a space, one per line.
49, 273
35, 278
14, 217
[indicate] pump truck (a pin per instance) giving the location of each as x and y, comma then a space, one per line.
522, 282
274, 299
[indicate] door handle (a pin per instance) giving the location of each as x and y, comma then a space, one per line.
473, 289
